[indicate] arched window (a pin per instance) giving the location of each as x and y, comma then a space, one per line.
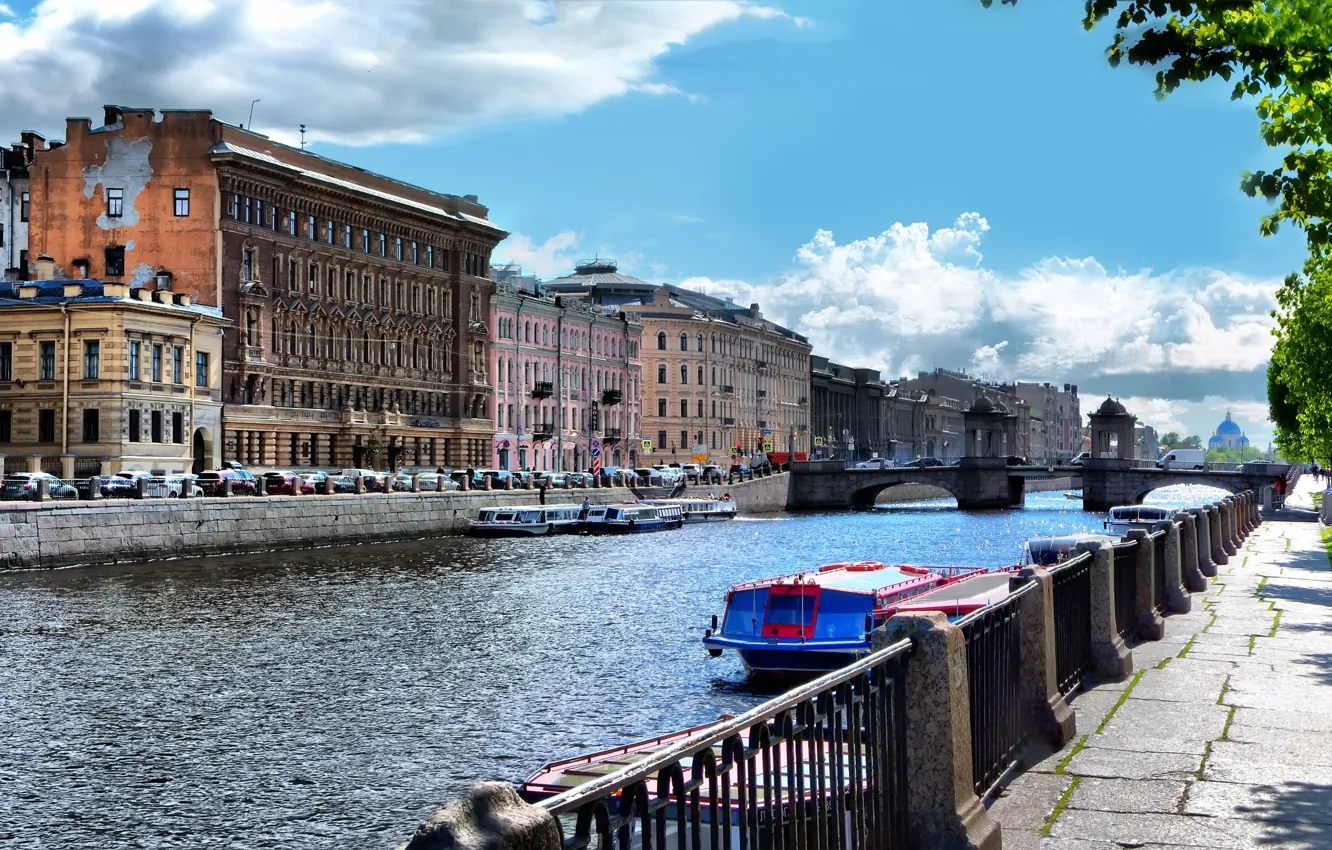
700, 342
661, 373
291, 337
251, 326
684, 341
527, 331
700, 376
684, 374
700, 408
661, 340
684, 408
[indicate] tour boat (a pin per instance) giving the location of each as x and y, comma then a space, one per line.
1124, 519
1048, 551
631, 519
817, 621
956, 599
526, 521
700, 510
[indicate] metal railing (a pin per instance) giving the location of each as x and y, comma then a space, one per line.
1126, 586
1158, 539
821, 767
994, 670
1072, 589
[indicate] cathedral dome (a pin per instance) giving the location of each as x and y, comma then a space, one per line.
1228, 428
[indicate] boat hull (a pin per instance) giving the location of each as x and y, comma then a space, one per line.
635, 527
539, 529
709, 516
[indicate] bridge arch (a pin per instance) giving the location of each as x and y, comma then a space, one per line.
1156, 483
862, 496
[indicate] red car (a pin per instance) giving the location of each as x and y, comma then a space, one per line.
242, 483
283, 484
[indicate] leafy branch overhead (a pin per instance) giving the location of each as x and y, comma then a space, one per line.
1278, 51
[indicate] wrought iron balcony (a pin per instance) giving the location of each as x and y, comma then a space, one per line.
763, 423
543, 431
611, 435
612, 397
727, 390
804, 400
760, 364
728, 420
762, 393
543, 389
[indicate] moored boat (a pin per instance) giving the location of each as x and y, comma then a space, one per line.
525, 521
631, 519
1049, 551
817, 621
700, 510
1125, 518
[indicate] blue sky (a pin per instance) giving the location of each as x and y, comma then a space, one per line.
715, 154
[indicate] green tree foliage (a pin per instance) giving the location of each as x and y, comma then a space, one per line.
1193, 441
1299, 379
1170, 440
1235, 455
1276, 51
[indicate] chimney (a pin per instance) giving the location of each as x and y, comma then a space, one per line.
77, 128
73, 289
183, 299
162, 296
138, 122
112, 115
115, 289
33, 141
55, 143
45, 267
29, 290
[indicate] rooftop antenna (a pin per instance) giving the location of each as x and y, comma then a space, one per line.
302, 137
250, 123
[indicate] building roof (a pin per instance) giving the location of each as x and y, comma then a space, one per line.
1229, 427
52, 293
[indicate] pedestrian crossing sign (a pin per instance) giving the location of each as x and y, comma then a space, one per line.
647, 447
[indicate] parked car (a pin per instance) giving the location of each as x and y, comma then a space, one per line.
1014, 460
156, 487
434, 482
1077, 460
713, 469
875, 463
182, 486
374, 481
649, 477
738, 468
924, 462
111, 487
692, 471
23, 485
669, 474
210, 481
316, 479
283, 483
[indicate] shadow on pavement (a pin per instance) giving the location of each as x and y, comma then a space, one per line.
1322, 664
1294, 815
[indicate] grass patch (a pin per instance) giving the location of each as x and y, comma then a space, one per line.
1252, 638
1122, 699
1327, 544
1225, 686
1259, 590
1077, 748
1230, 718
1185, 651
1059, 807
1276, 622
1164, 662
1207, 753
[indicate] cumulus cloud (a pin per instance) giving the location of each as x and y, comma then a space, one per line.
413, 69
1201, 417
554, 257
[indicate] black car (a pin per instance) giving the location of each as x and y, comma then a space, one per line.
926, 462
111, 487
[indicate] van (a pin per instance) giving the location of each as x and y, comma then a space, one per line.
1183, 459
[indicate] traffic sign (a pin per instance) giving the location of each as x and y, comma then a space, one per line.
647, 447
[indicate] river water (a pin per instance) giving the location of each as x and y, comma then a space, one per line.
335, 697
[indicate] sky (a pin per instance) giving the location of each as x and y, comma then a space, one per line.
910, 184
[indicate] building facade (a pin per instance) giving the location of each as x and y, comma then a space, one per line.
15, 204
96, 378
848, 412
567, 379
361, 303
719, 379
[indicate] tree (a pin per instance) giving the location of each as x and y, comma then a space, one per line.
1299, 379
1170, 440
1193, 441
1278, 51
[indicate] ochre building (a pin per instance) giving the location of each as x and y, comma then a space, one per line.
360, 303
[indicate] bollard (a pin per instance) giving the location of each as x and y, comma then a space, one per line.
1114, 662
568, 483
508, 482
1049, 718
1204, 542
1258, 514
95, 487
942, 808
1149, 625
466, 482
596, 481
1249, 524
43, 491
487, 483
297, 485
226, 487
260, 486
141, 488
1219, 555
326, 486
416, 483
1227, 526
527, 482
358, 485
1177, 599
493, 817
1190, 569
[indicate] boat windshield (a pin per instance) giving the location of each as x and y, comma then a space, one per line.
793, 609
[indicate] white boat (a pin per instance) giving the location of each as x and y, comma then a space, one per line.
631, 519
700, 510
1124, 519
531, 521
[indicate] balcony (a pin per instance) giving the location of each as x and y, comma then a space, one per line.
728, 420
573, 395
609, 397
543, 389
760, 364
763, 423
611, 435
762, 393
544, 431
728, 390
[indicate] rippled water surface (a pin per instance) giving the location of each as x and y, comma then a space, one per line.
334, 697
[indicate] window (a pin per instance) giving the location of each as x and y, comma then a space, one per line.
157, 364
430, 256
684, 439
415, 256
6, 426
47, 361
291, 222
115, 203
134, 361
134, 430
684, 374
661, 340
201, 368
700, 376
661, 407
91, 426
700, 409
2, 236
383, 245
247, 264
661, 440
92, 355
6, 361
365, 241
328, 234
177, 365
661, 373
258, 212
25, 206
311, 228
346, 236
115, 261
397, 249
684, 341
156, 428
684, 408
700, 342
177, 427
46, 426
182, 197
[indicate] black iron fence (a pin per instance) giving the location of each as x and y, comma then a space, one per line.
994, 669
1158, 540
1126, 586
1072, 585
822, 767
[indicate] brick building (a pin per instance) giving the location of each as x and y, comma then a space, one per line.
360, 303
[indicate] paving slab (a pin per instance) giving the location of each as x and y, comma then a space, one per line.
1028, 801
1123, 795
1136, 830
1175, 727
1287, 802
1130, 764
1182, 683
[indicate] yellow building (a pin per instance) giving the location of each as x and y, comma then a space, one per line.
96, 378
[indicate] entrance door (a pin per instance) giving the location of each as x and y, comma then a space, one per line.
503, 458
200, 452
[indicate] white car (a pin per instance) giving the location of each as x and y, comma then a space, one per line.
875, 463
176, 485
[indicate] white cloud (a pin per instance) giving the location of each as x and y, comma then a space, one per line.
554, 257
1197, 417
410, 70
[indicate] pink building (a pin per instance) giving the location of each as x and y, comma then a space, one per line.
567, 379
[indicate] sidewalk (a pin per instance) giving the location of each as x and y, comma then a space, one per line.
1222, 738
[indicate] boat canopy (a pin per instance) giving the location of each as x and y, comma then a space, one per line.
1139, 514
1048, 551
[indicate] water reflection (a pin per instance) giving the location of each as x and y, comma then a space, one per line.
334, 697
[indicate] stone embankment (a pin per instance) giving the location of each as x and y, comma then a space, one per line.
60, 534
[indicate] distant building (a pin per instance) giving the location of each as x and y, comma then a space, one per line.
1228, 435
847, 412
15, 205
1148, 446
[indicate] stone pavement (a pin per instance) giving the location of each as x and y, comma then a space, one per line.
1222, 737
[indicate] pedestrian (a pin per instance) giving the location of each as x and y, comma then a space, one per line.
541, 492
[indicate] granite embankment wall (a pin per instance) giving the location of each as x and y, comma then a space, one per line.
917, 492
58, 534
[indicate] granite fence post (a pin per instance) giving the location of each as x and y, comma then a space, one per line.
416, 482
1227, 508
94, 485
1219, 556
1257, 513
296, 485
1113, 660
1250, 511
43, 490
466, 482
1149, 625
493, 817
1049, 718
1203, 521
327, 487
226, 487
141, 488
1241, 519
260, 486
1190, 572
1177, 598
359, 485
487, 483
943, 812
